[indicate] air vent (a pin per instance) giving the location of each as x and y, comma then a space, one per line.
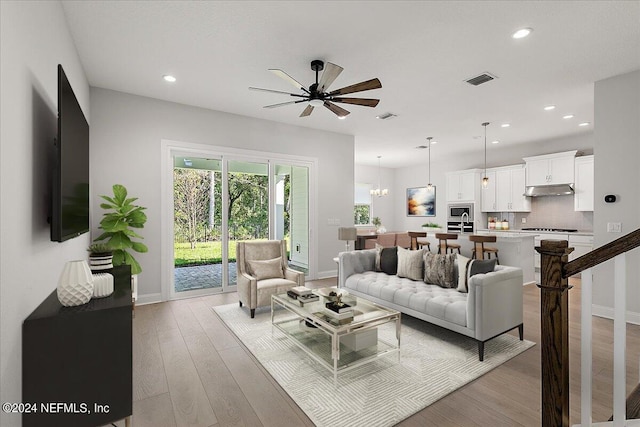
482, 78
386, 116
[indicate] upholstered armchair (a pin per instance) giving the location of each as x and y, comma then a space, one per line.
263, 271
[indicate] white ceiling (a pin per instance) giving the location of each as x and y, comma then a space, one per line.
421, 51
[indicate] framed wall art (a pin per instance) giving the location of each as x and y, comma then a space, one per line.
421, 201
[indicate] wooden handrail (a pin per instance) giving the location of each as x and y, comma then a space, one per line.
602, 254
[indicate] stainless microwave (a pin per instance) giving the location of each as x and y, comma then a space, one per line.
455, 212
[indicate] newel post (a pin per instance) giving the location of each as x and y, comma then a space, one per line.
554, 325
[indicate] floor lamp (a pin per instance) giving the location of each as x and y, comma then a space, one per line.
347, 234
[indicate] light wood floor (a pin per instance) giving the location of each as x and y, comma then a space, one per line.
189, 370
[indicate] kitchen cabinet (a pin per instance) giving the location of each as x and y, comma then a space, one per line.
581, 245
488, 193
505, 192
463, 186
584, 183
550, 169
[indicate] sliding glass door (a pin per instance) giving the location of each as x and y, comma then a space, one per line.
219, 201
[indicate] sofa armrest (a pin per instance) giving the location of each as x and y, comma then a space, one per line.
247, 289
294, 275
354, 262
495, 302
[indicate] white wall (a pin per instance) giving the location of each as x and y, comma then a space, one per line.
33, 40
617, 156
125, 148
384, 206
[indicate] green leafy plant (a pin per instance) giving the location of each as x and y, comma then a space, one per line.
431, 225
117, 223
376, 221
100, 249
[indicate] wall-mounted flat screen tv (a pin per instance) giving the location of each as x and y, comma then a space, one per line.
70, 183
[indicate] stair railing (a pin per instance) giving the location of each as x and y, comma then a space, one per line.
554, 322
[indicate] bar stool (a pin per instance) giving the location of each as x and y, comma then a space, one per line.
478, 246
422, 242
443, 242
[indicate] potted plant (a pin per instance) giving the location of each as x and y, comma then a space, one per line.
100, 256
121, 217
378, 224
431, 226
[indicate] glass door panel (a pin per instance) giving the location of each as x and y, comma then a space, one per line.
292, 212
197, 195
247, 213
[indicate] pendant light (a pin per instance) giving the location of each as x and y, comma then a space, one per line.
485, 180
429, 185
379, 191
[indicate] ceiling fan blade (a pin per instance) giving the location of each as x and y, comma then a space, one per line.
338, 111
307, 111
358, 87
276, 91
283, 103
330, 73
288, 78
366, 102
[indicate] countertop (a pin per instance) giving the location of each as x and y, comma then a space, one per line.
575, 233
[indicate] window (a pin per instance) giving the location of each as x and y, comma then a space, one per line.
362, 208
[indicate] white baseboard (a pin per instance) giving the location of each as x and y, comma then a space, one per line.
149, 299
327, 274
607, 313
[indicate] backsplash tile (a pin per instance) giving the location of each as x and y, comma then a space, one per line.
554, 212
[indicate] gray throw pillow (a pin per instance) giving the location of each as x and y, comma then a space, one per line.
479, 266
387, 259
410, 264
266, 269
468, 268
440, 269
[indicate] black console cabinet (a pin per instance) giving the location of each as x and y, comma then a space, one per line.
76, 361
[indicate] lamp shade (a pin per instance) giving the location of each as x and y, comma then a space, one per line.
75, 285
347, 233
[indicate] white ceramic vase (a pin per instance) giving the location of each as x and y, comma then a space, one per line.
75, 285
102, 285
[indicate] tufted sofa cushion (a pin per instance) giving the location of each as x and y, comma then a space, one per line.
445, 304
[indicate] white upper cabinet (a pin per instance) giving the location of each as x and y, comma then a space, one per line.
584, 183
550, 169
463, 186
488, 194
508, 190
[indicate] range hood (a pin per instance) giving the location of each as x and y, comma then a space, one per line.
549, 190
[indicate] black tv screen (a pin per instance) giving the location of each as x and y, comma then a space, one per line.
70, 192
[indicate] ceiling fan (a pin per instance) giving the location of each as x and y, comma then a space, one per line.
317, 94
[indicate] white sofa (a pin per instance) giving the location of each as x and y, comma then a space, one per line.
492, 306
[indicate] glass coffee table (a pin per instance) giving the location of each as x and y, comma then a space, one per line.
338, 345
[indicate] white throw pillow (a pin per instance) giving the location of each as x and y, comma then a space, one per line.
462, 263
266, 269
410, 263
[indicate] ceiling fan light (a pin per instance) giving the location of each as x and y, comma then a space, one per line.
316, 102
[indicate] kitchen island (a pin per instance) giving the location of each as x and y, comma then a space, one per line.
515, 249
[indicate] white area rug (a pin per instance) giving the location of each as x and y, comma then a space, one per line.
434, 362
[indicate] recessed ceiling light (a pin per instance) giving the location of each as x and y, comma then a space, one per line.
169, 78
505, 125
495, 142
434, 142
568, 116
549, 107
522, 32
584, 124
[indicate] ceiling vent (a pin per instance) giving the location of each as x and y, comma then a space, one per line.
386, 116
482, 78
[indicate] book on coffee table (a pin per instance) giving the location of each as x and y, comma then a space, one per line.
338, 309
300, 290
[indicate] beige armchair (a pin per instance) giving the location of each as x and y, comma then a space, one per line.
263, 271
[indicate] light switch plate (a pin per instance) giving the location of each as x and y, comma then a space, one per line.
614, 227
